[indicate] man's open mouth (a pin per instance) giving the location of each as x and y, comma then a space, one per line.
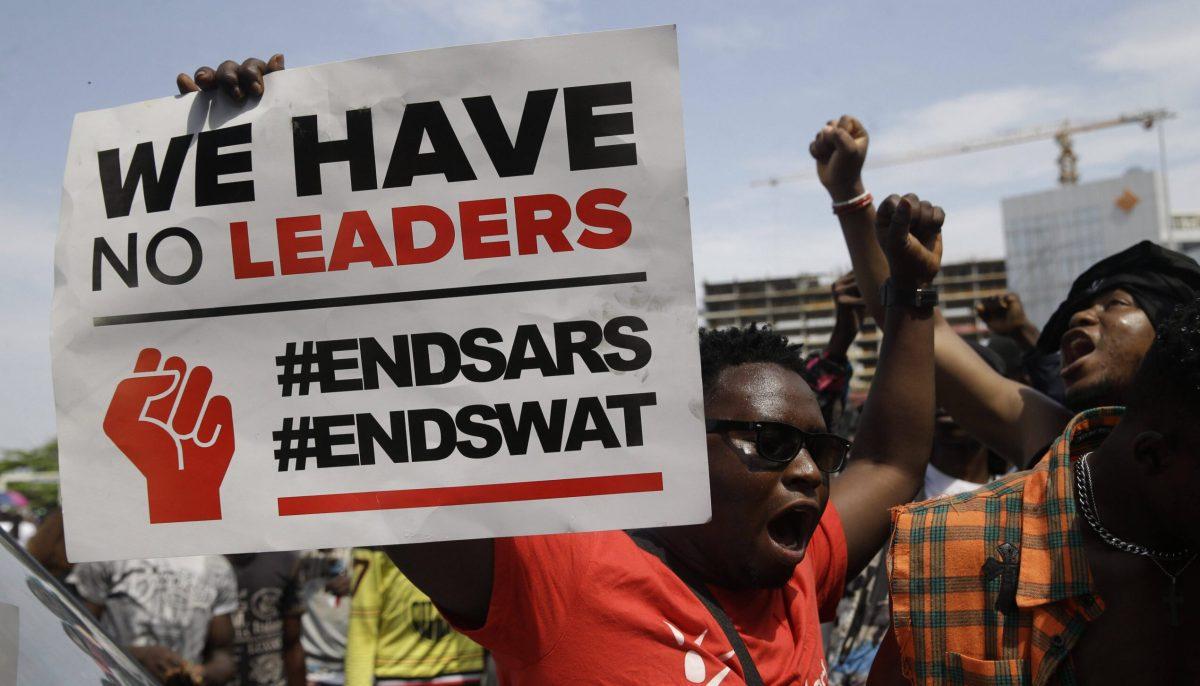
1075, 345
792, 528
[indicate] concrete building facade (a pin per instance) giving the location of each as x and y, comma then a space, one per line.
1052, 236
1185, 234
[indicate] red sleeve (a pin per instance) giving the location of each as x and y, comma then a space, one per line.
827, 551
535, 582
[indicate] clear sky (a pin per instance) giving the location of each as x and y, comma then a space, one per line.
758, 79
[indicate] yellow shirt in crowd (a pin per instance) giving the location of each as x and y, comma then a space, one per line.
396, 633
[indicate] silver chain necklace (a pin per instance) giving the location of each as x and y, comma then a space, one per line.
1087, 503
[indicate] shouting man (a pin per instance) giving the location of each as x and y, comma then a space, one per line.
736, 600
1079, 571
1103, 328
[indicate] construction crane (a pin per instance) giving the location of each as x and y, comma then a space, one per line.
1061, 133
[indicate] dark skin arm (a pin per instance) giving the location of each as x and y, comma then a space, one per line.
895, 435
1012, 419
293, 651
840, 150
848, 311
159, 661
162, 662
219, 667
456, 575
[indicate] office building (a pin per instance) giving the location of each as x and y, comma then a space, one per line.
1053, 236
1185, 234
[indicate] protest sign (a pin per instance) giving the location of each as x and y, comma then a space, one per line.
427, 296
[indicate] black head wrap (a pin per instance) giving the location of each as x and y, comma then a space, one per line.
1157, 278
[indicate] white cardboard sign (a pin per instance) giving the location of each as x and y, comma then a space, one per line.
427, 296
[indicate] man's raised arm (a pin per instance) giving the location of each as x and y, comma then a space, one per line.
1012, 419
456, 575
895, 435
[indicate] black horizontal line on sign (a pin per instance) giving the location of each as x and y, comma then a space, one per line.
371, 299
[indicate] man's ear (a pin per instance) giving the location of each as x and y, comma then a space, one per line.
1151, 452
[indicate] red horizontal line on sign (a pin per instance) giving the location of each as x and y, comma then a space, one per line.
372, 299
470, 495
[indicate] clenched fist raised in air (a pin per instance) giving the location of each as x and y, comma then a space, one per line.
910, 232
840, 149
178, 436
1004, 315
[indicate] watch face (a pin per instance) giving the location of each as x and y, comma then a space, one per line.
889, 295
926, 297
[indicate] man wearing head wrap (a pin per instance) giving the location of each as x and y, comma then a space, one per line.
1106, 324
1104, 328
1102, 331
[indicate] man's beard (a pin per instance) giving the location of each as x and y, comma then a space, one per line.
1100, 394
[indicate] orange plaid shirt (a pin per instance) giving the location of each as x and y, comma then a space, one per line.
992, 586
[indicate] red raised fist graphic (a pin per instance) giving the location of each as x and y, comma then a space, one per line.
177, 436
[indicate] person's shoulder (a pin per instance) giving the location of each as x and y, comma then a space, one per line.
216, 561
92, 572
215, 565
570, 540
954, 531
1009, 486
613, 547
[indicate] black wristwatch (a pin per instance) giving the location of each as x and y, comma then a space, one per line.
918, 298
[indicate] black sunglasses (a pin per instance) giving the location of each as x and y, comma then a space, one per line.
781, 443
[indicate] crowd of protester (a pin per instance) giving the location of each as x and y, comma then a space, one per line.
1012, 511
333, 617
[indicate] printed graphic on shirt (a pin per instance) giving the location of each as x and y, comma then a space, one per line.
325, 585
267, 593
258, 633
694, 669
428, 622
265, 669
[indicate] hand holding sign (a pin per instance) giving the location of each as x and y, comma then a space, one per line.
237, 80
910, 233
470, 279
178, 437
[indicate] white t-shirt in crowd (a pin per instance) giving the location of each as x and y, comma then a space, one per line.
167, 602
326, 619
939, 483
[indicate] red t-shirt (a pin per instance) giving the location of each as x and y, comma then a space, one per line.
596, 609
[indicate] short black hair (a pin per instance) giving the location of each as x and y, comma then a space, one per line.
733, 346
1169, 378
